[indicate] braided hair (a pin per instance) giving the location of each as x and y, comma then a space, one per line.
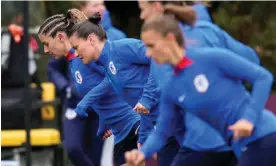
61, 22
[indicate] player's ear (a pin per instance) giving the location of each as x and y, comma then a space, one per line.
92, 39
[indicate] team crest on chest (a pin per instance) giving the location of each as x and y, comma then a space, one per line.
78, 77
112, 68
201, 83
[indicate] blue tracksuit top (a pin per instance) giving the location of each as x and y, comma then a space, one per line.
200, 136
205, 33
202, 13
112, 110
111, 32
128, 70
211, 88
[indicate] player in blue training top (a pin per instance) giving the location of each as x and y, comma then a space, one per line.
60, 74
127, 68
114, 112
198, 148
194, 139
207, 83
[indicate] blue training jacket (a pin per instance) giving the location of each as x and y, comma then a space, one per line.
128, 70
205, 33
200, 136
113, 111
60, 74
211, 88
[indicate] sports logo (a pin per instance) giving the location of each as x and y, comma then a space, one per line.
78, 77
112, 68
70, 114
201, 83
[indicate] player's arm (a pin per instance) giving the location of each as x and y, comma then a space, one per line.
136, 54
236, 67
151, 94
239, 48
93, 96
146, 126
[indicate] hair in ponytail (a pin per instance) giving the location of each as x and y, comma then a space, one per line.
184, 14
85, 28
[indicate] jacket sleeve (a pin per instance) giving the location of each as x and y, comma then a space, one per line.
56, 72
146, 126
95, 94
239, 48
102, 128
137, 55
236, 67
151, 94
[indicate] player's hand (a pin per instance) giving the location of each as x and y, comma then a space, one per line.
107, 134
81, 112
242, 128
135, 158
141, 109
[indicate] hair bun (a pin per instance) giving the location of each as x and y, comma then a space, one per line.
95, 18
69, 17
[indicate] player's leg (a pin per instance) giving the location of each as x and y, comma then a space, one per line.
189, 157
127, 144
74, 130
260, 152
166, 155
94, 143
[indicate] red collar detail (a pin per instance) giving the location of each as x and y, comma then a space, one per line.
184, 63
70, 55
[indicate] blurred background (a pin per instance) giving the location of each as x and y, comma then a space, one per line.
252, 23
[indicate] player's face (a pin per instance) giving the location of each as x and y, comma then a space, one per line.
157, 46
53, 46
93, 7
85, 49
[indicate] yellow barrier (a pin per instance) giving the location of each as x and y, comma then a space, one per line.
48, 111
39, 137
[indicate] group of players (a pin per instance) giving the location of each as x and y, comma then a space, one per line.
179, 92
